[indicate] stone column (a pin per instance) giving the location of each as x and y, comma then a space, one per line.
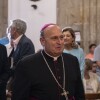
3, 17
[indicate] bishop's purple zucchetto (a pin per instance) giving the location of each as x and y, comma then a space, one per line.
46, 25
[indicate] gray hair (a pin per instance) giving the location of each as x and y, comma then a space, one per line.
20, 26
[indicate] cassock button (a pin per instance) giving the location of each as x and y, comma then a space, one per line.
57, 69
59, 77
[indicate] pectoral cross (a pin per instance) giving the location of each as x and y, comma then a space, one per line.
65, 94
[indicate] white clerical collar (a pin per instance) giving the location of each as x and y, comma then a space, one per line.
55, 58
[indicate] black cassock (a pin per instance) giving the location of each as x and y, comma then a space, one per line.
34, 79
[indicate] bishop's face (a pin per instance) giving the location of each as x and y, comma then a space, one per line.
53, 41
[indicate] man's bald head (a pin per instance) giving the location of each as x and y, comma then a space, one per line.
46, 28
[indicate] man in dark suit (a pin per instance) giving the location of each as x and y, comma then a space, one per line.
22, 45
49, 74
4, 72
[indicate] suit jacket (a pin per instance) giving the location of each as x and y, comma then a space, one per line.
25, 47
34, 80
4, 68
4, 72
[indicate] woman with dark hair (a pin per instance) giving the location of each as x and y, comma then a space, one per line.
70, 46
90, 55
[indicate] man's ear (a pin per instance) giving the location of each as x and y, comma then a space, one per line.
14, 29
42, 40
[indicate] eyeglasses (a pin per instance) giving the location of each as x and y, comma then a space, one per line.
56, 38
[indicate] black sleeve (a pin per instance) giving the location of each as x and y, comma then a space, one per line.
21, 83
4, 67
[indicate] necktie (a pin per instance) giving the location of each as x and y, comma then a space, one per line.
11, 54
10, 58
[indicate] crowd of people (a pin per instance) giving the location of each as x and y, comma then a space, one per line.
59, 71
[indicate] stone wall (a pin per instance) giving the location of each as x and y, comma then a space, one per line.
3, 16
84, 16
